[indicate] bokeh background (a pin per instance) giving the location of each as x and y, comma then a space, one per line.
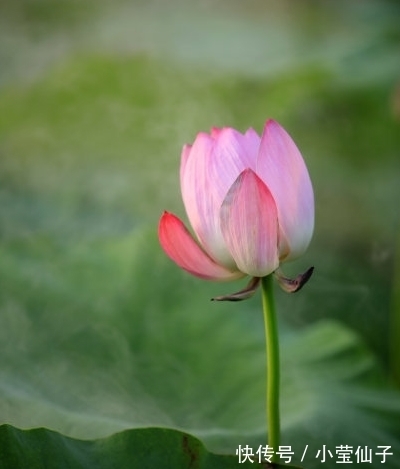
99, 331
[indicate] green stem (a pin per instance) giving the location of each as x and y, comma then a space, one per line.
272, 348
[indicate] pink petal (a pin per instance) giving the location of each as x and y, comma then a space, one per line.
207, 173
179, 245
184, 157
215, 131
249, 222
282, 168
232, 153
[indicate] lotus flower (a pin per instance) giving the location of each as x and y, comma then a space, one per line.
249, 200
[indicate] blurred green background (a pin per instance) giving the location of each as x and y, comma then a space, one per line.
98, 330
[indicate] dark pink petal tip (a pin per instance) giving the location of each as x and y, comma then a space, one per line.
180, 246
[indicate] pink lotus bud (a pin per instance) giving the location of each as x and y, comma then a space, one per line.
249, 201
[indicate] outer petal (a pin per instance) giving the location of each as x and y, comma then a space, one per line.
184, 157
208, 169
179, 245
249, 223
282, 168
